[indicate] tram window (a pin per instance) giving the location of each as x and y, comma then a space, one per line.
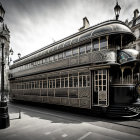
103, 44
51, 58
104, 82
68, 53
40, 84
88, 81
32, 85
29, 85
88, 48
53, 83
50, 83
82, 50
100, 88
84, 81
37, 84
43, 61
44, 84
104, 88
96, 45
70, 82
104, 76
66, 82
56, 57
60, 55
62, 82
80, 81
75, 81
40, 62
22, 86
75, 51
57, 83
96, 82
100, 71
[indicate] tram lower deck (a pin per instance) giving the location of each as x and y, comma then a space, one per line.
82, 87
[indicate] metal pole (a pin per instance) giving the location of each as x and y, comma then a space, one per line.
2, 74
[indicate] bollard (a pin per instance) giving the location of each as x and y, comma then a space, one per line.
19, 114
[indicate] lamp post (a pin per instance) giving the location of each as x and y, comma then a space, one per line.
117, 10
19, 55
4, 116
9, 58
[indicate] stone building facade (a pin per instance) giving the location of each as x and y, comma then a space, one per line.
4, 31
134, 24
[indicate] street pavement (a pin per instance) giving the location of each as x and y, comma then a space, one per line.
40, 123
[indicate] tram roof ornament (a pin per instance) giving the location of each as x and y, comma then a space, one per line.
117, 10
110, 27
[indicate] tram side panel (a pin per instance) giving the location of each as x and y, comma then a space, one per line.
78, 96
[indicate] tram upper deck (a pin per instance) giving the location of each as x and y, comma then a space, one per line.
96, 44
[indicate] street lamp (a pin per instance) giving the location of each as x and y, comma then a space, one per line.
9, 58
19, 55
117, 10
4, 116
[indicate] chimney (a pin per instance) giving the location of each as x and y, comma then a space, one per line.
85, 24
126, 21
136, 12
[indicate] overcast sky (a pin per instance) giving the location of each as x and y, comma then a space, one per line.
37, 23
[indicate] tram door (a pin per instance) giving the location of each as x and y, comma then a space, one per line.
100, 87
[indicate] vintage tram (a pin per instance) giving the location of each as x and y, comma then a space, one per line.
90, 69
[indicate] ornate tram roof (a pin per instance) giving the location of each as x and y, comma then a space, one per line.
105, 28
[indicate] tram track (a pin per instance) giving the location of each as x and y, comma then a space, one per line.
77, 118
